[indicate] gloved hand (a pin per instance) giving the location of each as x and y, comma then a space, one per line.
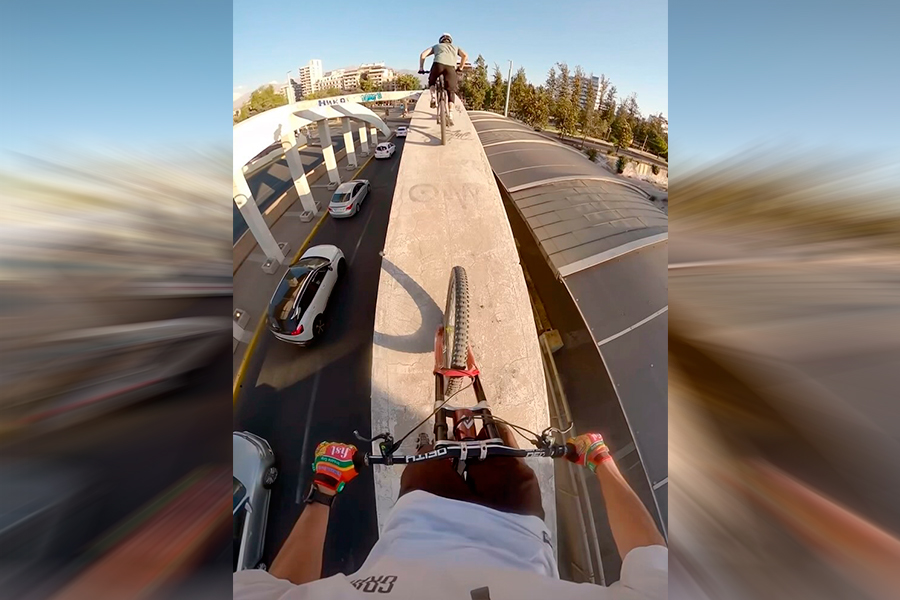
333, 466
590, 450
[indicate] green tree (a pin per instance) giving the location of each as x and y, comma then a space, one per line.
518, 94
620, 131
608, 104
551, 87
566, 113
474, 86
333, 91
262, 99
366, 84
496, 97
587, 117
408, 82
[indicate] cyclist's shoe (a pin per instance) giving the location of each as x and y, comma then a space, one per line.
450, 117
433, 103
334, 465
590, 450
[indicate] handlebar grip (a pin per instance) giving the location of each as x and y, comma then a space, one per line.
359, 461
571, 452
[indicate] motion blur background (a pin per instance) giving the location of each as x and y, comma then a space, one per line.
784, 327
115, 295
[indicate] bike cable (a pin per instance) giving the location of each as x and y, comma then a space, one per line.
434, 412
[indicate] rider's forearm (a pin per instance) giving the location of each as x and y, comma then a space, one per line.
300, 559
631, 524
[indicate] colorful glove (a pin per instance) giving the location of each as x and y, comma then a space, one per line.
590, 450
333, 465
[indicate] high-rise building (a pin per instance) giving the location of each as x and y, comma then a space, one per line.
586, 82
310, 74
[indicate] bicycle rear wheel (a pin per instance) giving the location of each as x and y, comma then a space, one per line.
442, 115
456, 327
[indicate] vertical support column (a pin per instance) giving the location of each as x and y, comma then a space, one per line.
298, 173
374, 131
364, 139
328, 153
348, 144
243, 199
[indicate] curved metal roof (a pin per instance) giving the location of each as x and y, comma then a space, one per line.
608, 244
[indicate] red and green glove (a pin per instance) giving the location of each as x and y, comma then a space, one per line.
333, 465
590, 450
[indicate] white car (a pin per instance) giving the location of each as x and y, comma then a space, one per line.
401, 131
253, 474
297, 309
385, 150
348, 198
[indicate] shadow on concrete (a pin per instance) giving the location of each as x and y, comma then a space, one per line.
422, 340
432, 140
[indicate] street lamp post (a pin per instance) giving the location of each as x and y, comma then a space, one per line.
290, 90
508, 84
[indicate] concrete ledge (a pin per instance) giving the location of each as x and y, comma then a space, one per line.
447, 211
246, 243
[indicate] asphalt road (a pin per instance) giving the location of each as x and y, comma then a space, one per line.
116, 464
297, 397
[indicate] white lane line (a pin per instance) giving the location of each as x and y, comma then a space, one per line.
361, 235
309, 413
635, 326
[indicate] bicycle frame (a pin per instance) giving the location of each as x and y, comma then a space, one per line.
442, 107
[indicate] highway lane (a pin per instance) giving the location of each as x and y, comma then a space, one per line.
297, 397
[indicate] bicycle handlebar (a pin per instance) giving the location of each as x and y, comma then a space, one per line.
473, 452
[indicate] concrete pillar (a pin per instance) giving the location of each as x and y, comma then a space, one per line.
298, 173
374, 131
243, 199
364, 139
348, 144
328, 153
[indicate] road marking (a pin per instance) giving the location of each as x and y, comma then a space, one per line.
361, 236
309, 414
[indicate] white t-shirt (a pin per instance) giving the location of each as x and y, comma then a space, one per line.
433, 547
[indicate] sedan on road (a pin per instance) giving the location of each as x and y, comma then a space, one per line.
348, 198
385, 150
297, 308
401, 131
253, 474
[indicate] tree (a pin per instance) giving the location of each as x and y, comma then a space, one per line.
366, 84
332, 91
474, 86
535, 106
262, 99
608, 104
518, 94
551, 87
587, 118
407, 82
566, 110
497, 94
620, 131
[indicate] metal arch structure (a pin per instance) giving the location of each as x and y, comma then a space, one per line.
257, 133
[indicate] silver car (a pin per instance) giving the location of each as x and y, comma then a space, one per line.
348, 198
253, 475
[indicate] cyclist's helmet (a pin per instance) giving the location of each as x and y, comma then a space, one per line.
445, 39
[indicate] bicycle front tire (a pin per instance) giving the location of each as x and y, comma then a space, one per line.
456, 327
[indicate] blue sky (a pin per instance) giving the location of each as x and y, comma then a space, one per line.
112, 73
628, 41
788, 75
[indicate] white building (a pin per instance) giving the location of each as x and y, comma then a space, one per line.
585, 83
310, 76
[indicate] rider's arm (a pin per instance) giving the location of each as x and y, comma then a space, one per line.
631, 524
300, 559
425, 54
463, 56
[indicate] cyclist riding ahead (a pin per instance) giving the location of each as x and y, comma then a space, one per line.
445, 55
479, 537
